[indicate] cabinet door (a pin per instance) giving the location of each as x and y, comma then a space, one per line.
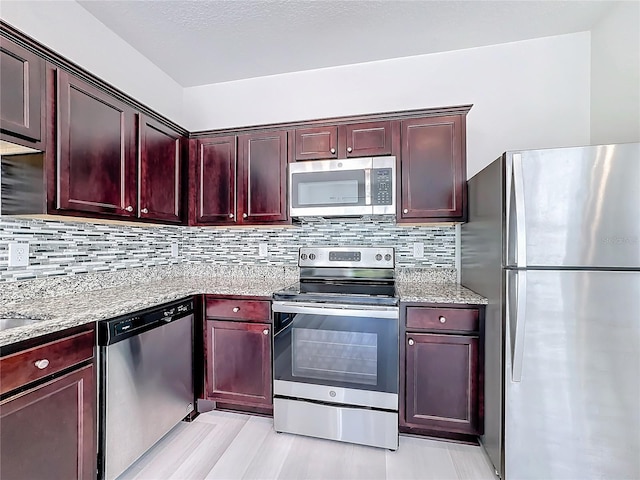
316, 143
442, 382
22, 80
263, 186
239, 362
159, 163
49, 431
432, 169
96, 151
216, 181
368, 139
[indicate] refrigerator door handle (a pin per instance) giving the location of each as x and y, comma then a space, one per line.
517, 185
517, 321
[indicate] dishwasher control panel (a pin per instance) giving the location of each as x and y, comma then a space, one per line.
120, 328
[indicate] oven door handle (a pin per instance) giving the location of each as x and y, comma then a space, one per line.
337, 309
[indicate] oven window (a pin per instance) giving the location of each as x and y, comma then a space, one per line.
335, 355
337, 350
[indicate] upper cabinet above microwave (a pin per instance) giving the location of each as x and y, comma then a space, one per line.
343, 141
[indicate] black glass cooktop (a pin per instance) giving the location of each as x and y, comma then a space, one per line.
363, 293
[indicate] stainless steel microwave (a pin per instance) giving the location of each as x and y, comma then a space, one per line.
341, 188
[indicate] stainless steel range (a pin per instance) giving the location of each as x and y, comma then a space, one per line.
336, 347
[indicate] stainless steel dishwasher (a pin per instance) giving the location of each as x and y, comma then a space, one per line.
146, 381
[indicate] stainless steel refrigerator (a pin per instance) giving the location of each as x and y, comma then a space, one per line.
553, 241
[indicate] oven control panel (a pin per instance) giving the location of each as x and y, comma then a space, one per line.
361, 257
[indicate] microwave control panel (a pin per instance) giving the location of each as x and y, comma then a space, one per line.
381, 186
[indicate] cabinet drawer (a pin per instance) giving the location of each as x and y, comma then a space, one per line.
226, 308
38, 362
432, 318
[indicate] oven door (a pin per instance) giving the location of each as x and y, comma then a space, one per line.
343, 354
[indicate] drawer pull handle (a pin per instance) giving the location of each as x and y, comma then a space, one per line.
236, 309
42, 364
406, 210
265, 331
411, 342
349, 149
144, 210
333, 150
129, 208
442, 319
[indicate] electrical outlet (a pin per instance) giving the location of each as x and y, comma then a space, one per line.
418, 250
262, 249
18, 254
174, 249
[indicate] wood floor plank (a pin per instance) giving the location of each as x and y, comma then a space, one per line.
315, 459
167, 455
239, 454
420, 459
470, 462
229, 446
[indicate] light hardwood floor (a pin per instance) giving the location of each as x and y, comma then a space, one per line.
223, 445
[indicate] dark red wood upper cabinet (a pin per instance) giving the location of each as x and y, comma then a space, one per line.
96, 163
216, 181
49, 431
368, 139
442, 382
262, 188
160, 171
316, 143
343, 141
432, 169
239, 362
21, 91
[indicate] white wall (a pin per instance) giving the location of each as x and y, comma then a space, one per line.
615, 76
71, 31
529, 94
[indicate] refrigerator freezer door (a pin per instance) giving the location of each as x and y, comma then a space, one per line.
574, 411
574, 207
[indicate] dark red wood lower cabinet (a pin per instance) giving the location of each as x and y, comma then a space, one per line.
442, 382
48, 432
239, 363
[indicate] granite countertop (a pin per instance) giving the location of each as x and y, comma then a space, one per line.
60, 312
448, 292
89, 299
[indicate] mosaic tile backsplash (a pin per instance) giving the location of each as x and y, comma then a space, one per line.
67, 248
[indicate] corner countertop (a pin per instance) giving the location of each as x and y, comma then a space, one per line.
85, 302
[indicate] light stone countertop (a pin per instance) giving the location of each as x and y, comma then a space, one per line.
58, 313
438, 293
85, 299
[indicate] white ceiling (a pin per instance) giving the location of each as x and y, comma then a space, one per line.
202, 42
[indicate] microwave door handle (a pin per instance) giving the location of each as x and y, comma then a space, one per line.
367, 186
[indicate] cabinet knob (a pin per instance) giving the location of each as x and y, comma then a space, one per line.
442, 319
411, 342
129, 208
406, 210
42, 364
236, 309
231, 215
244, 215
265, 331
144, 210
333, 150
349, 149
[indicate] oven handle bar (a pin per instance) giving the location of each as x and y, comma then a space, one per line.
392, 313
